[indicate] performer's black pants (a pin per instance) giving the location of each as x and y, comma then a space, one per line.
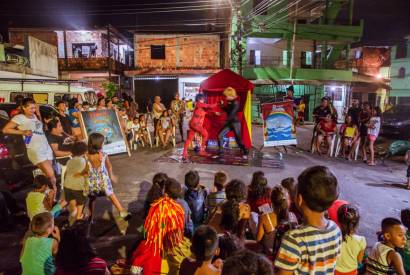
181, 125
236, 128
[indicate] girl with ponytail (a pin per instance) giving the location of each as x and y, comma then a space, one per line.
353, 246
232, 216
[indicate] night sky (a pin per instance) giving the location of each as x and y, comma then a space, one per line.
386, 22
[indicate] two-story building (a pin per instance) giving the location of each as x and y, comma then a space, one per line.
95, 55
400, 73
166, 64
296, 42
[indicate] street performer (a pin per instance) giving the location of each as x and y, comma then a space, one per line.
196, 125
231, 107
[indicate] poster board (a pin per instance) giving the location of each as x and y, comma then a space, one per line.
278, 126
107, 123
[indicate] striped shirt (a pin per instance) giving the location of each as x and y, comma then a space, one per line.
309, 250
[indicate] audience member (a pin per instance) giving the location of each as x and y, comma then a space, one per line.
76, 255
164, 246
326, 129
195, 195
174, 191
247, 262
405, 252
63, 117
156, 191
41, 198
218, 194
364, 118
204, 248
407, 159
315, 246
350, 135
38, 251
373, 130
383, 258
353, 246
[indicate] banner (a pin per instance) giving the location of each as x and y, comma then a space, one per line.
105, 122
278, 127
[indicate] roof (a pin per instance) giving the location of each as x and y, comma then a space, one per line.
226, 78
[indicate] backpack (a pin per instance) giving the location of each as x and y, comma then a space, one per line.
196, 201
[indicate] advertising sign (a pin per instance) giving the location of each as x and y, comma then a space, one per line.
278, 127
107, 123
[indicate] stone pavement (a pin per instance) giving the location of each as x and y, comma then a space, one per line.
372, 189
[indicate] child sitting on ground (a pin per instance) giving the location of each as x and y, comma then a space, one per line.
173, 190
165, 246
232, 216
383, 259
218, 194
269, 222
258, 198
289, 185
318, 239
38, 251
353, 246
195, 195
75, 181
405, 252
204, 247
156, 191
41, 198
326, 129
247, 262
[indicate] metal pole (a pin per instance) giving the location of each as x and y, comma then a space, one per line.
109, 53
292, 61
65, 49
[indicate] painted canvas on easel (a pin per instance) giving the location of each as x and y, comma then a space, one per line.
278, 126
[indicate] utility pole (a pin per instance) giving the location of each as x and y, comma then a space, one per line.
292, 61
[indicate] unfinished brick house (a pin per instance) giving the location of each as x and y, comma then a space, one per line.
169, 63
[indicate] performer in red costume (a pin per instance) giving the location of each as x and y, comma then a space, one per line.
196, 125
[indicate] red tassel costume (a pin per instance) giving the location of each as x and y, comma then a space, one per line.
196, 126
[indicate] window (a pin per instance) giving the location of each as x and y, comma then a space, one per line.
308, 58
285, 58
255, 57
84, 50
402, 73
157, 51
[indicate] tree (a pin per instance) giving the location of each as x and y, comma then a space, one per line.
110, 89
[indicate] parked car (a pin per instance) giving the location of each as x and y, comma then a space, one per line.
396, 122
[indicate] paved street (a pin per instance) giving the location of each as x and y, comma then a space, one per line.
370, 188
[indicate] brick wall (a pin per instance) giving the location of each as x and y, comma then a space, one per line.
17, 37
181, 51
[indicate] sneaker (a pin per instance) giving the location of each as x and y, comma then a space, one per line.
125, 215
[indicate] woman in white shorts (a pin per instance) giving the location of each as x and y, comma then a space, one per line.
30, 127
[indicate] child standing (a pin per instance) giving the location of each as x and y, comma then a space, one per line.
373, 131
204, 247
314, 247
75, 181
383, 259
405, 252
301, 112
100, 175
39, 250
218, 195
195, 195
41, 199
353, 246
407, 159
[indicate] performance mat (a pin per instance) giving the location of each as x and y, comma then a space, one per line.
229, 157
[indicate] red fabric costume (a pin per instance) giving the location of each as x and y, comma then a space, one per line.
196, 126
